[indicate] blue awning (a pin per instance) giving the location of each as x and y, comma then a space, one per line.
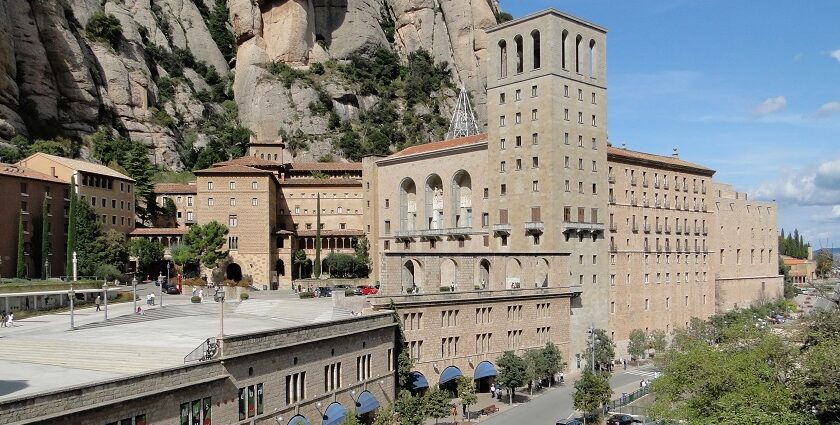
298, 420
417, 381
335, 414
366, 403
449, 374
484, 370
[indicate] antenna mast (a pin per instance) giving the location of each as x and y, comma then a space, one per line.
463, 121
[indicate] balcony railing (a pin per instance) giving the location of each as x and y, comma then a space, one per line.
679, 230
703, 208
634, 202
705, 231
665, 185
657, 204
645, 203
703, 190
611, 179
613, 227
613, 247
667, 248
534, 226
695, 189
583, 227
666, 205
644, 183
696, 230
668, 229
647, 248
632, 181
612, 199
656, 184
676, 204
658, 228
658, 249
502, 228
685, 187
635, 228
646, 228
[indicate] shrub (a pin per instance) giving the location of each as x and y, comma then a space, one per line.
104, 27
285, 73
244, 296
306, 294
349, 293
161, 117
195, 299
194, 281
317, 68
107, 272
445, 289
503, 17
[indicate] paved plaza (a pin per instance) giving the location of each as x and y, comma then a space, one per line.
41, 353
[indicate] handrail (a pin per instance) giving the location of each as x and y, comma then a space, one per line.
205, 351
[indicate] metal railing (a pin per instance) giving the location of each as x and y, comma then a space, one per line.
612, 199
647, 228
613, 227
658, 228
644, 183
632, 181
534, 226
611, 178
205, 351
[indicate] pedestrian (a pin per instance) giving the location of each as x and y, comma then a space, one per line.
499, 393
194, 291
642, 383
98, 302
201, 294
492, 390
152, 299
140, 311
300, 288
624, 362
3, 323
10, 319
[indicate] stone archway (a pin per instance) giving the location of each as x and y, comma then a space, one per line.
280, 267
448, 273
233, 272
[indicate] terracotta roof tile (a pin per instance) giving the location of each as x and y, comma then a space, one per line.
440, 145
233, 169
662, 159
177, 188
320, 182
80, 165
158, 231
325, 166
248, 161
22, 172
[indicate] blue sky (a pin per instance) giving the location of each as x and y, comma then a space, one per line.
751, 89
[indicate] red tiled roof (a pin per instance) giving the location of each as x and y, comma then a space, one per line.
325, 166
345, 232
662, 159
443, 144
233, 169
25, 173
248, 161
320, 182
176, 188
158, 231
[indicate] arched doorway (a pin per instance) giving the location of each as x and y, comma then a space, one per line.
408, 205
449, 380
434, 202
233, 272
513, 276
462, 200
408, 282
280, 267
541, 275
484, 274
335, 414
448, 273
484, 375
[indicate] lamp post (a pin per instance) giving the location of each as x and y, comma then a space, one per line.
160, 287
105, 297
167, 281
75, 275
134, 291
219, 296
47, 268
72, 297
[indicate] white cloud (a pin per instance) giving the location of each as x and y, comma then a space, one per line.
828, 109
835, 212
769, 106
835, 54
815, 185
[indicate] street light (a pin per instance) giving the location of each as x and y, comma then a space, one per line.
72, 296
134, 291
219, 296
105, 296
160, 287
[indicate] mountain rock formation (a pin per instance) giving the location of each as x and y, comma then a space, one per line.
165, 76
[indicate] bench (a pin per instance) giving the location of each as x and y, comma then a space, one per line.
489, 409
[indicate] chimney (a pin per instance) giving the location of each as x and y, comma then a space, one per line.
676, 153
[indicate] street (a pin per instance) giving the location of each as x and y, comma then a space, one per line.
556, 404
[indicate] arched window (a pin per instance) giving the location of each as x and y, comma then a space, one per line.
408, 205
563, 48
577, 53
434, 202
518, 41
591, 58
502, 59
535, 42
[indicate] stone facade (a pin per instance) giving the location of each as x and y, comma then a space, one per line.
23, 192
266, 358
183, 196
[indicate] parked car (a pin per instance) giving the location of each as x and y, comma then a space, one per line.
324, 291
369, 290
622, 420
342, 286
569, 422
171, 289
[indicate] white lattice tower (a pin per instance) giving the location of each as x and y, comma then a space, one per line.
463, 121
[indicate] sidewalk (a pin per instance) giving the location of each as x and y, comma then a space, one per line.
522, 397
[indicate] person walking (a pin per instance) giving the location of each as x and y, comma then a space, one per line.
98, 303
201, 295
152, 299
10, 320
492, 390
3, 323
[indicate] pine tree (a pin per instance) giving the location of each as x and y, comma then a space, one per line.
317, 266
21, 260
71, 228
45, 239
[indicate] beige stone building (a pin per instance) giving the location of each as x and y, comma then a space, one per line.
183, 196
110, 193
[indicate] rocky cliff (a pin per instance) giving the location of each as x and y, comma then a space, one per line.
163, 78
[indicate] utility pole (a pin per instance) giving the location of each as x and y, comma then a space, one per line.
75, 263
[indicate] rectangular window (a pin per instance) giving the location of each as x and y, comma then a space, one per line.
232, 221
580, 117
209, 185
534, 139
501, 98
189, 201
533, 91
503, 189
253, 185
502, 121
535, 186
518, 118
232, 202
533, 115
210, 202
518, 164
502, 144
518, 94
253, 202
535, 162
502, 167
232, 185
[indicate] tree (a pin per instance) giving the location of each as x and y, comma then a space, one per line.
88, 232
204, 244
411, 409
45, 240
146, 251
535, 365
113, 249
815, 384
437, 403
351, 419
554, 363
217, 25
317, 263
20, 272
107, 272
658, 340
825, 262
513, 372
466, 392
637, 343
604, 348
384, 415
404, 366
299, 259
104, 27
591, 392
71, 228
